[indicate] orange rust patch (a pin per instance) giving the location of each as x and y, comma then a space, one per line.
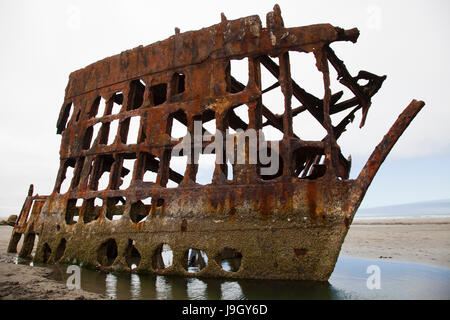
300, 252
311, 198
265, 207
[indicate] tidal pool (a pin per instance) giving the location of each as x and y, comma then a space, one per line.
388, 280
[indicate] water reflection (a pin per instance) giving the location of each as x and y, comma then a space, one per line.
163, 288
231, 290
111, 286
135, 287
398, 281
196, 289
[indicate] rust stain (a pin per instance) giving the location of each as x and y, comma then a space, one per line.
183, 227
299, 252
311, 198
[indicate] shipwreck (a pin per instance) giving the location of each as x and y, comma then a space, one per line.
286, 225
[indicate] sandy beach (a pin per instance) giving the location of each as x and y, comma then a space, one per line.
423, 241
29, 283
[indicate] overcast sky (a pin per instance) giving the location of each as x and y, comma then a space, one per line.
44, 41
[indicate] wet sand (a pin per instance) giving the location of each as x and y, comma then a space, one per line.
30, 283
423, 241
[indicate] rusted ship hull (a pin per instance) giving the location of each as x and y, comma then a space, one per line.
278, 239
290, 225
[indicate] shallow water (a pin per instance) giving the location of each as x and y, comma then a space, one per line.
398, 280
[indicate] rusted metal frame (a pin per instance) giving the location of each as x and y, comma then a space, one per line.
133, 171
315, 34
26, 223
221, 169
334, 98
235, 122
341, 127
332, 151
77, 172
72, 163
370, 89
309, 102
85, 172
123, 130
270, 116
326, 113
270, 88
273, 119
255, 107
350, 82
124, 115
27, 246
175, 176
286, 88
96, 173
61, 175
146, 162
165, 173
190, 173
63, 117
26, 207
276, 120
307, 99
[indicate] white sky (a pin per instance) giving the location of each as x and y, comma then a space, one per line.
44, 41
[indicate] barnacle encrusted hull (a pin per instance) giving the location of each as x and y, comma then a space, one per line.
244, 223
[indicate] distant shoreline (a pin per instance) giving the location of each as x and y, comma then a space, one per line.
401, 220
